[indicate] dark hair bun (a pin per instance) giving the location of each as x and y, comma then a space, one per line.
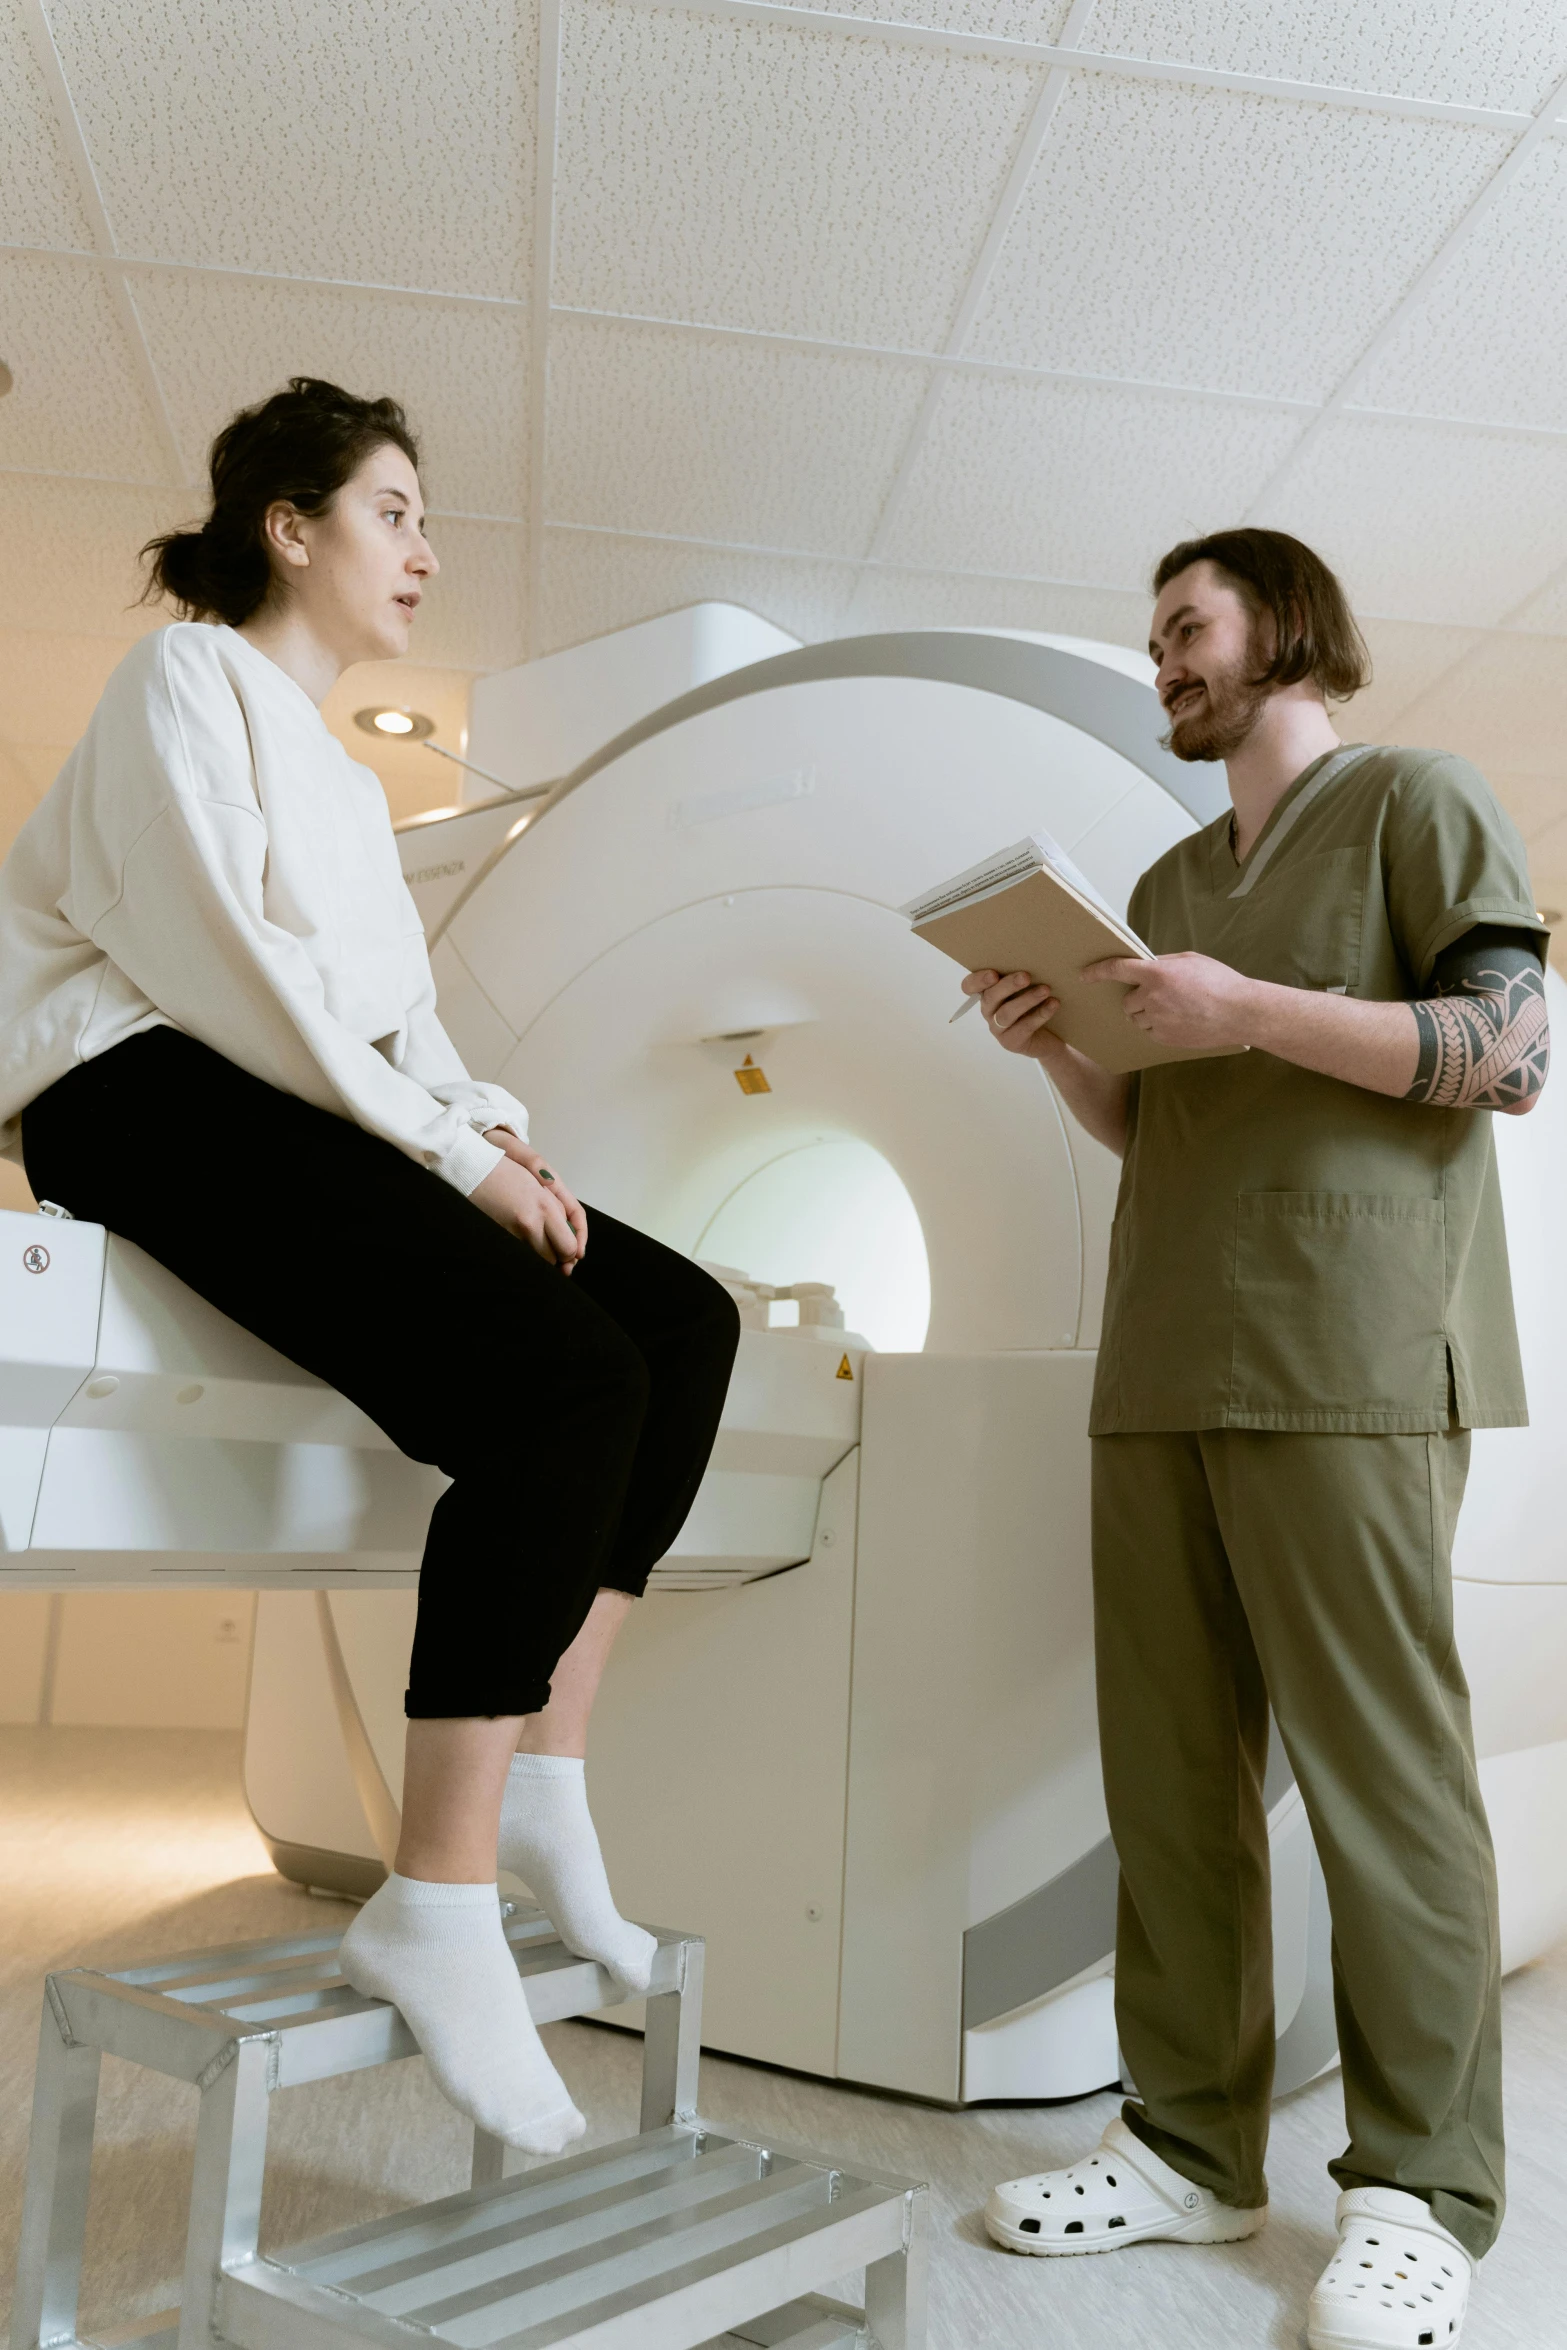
208, 574
297, 448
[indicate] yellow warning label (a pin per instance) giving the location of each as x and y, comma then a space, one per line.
750, 1078
845, 1370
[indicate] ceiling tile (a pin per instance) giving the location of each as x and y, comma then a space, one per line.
40, 202
1007, 20
384, 141
81, 540
1429, 521
594, 583
474, 614
945, 599
1060, 481
78, 405
1545, 614
462, 373
1506, 54
1185, 235
1548, 872
49, 685
1487, 339
1536, 803
1505, 708
708, 437
752, 175
1407, 658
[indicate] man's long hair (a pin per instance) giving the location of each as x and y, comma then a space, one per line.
1278, 579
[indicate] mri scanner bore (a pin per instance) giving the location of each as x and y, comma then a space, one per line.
836, 1205
850, 1734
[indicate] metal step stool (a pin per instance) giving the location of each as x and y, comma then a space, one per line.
658, 2243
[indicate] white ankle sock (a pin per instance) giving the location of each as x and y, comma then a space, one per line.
549, 1841
439, 1954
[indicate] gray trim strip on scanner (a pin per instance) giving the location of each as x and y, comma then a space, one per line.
1043, 1940
1115, 709
1291, 816
1036, 1944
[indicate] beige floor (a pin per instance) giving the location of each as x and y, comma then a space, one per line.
117, 1844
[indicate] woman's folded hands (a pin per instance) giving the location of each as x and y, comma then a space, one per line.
525, 1194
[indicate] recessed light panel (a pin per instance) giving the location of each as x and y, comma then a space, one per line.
395, 725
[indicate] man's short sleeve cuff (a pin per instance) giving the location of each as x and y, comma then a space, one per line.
1503, 913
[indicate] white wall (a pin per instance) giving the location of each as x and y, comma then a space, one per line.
24, 1640
164, 1660
14, 1193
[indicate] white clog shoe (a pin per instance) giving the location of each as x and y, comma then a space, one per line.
1123, 2194
1398, 2280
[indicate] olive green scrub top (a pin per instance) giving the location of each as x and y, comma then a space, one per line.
1290, 1251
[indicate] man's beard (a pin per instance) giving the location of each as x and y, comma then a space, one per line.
1223, 719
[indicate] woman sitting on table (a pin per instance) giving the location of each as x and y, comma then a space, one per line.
218, 1038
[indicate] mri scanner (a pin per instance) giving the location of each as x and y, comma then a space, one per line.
850, 1734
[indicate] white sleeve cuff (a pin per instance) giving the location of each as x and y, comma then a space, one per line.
496, 1107
469, 1160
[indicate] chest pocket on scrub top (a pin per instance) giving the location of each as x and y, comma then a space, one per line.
1338, 1305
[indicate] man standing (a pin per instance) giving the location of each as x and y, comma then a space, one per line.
1308, 1310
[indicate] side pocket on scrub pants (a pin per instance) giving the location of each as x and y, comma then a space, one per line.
1338, 1306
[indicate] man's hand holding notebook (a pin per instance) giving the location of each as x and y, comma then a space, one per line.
1028, 908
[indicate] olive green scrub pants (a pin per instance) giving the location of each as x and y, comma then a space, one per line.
1232, 1567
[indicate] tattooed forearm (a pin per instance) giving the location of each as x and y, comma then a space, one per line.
1484, 1032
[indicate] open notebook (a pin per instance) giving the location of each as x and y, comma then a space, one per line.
1028, 908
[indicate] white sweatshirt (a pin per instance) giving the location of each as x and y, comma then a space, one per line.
210, 858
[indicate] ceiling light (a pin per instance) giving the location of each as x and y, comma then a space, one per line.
412, 726
404, 725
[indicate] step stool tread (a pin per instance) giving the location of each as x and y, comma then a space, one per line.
658, 2239
329, 2260
638, 2259
173, 2014
237, 1972
505, 2250
724, 2281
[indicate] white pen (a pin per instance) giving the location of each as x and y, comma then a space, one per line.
967, 1005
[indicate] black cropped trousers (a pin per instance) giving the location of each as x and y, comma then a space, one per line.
574, 1416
